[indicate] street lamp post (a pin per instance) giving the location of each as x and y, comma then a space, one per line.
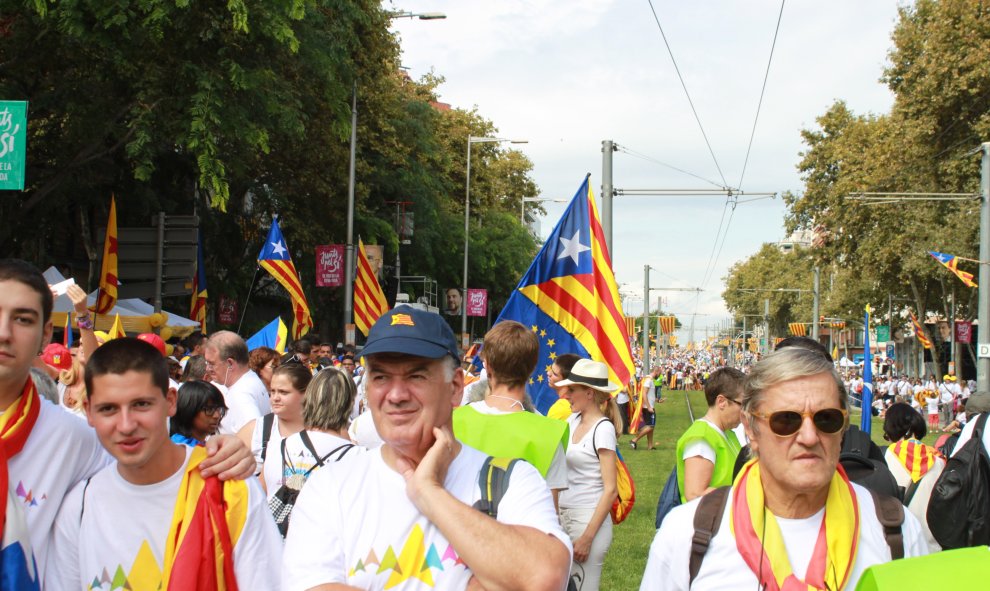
349, 247
467, 212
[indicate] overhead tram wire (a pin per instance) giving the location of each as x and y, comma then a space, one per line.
687, 94
641, 156
763, 90
711, 269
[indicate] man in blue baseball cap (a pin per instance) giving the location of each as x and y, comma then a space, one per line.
413, 497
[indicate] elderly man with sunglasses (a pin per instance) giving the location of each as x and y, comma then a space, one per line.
792, 519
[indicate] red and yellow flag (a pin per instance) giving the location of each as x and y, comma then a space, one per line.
197, 309
276, 259
797, 329
950, 262
107, 295
919, 332
208, 520
369, 299
667, 324
117, 330
916, 457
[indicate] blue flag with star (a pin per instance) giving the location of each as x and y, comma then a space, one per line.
570, 301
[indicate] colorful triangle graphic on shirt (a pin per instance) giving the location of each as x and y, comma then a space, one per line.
20, 490
359, 567
433, 559
410, 559
145, 573
388, 562
119, 579
371, 558
95, 584
105, 578
449, 553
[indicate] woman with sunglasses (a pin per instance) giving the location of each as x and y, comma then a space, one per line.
707, 451
264, 435
791, 519
914, 465
199, 408
591, 471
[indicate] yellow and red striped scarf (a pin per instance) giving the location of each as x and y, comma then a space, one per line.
916, 457
208, 520
835, 549
15, 427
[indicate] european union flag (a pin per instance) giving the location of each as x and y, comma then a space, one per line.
866, 422
570, 301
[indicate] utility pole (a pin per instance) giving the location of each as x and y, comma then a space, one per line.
817, 303
983, 342
646, 319
608, 146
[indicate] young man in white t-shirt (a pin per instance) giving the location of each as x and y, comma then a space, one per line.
54, 449
401, 515
155, 483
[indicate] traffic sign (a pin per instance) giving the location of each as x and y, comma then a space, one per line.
983, 350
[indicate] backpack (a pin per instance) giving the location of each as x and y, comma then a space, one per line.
625, 488
865, 465
670, 497
284, 499
493, 478
959, 509
708, 518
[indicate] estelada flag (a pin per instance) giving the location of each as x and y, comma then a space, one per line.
275, 258
107, 295
949, 262
369, 299
570, 301
919, 332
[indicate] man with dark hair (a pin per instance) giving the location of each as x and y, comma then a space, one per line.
195, 346
414, 496
497, 425
46, 451
156, 484
246, 395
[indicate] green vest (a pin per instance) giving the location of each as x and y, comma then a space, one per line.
525, 435
726, 449
965, 568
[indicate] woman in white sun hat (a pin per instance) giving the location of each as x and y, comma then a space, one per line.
591, 488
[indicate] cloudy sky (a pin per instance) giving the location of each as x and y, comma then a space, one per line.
567, 75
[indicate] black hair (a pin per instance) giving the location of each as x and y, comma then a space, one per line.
901, 420
26, 273
302, 346
193, 396
566, 362
805, 343
194, 340
120, 356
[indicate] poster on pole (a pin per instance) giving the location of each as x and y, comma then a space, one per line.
13, 144
330, 265
964, 332
477, 302
227, 311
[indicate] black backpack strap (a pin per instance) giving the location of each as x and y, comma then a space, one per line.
82, 508
493, 479
267, 422
707, 519
304, 435
890, 513
594, 431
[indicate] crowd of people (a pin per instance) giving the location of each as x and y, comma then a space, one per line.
393, 467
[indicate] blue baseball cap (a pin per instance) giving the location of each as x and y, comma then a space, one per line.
411, 331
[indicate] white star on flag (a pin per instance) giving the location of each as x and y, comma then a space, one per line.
572, 247
278, 248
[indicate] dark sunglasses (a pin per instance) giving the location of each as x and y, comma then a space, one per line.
785, 423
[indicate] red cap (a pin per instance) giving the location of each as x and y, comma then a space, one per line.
57, 356
153, 340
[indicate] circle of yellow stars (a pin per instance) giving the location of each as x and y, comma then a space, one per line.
550, 343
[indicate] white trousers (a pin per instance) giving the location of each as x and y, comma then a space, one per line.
587, 574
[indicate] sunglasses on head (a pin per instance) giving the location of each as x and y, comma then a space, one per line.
785, 423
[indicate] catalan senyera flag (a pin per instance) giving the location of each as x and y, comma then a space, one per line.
276, 259
949, 262
667, 324
916, 457
570, 301
107, 295
919, 332
117, 330
797, 329
197, 310
207, 522
369, 299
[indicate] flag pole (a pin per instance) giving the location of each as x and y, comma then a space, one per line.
248, 299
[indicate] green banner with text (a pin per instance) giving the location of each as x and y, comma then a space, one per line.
13, 144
